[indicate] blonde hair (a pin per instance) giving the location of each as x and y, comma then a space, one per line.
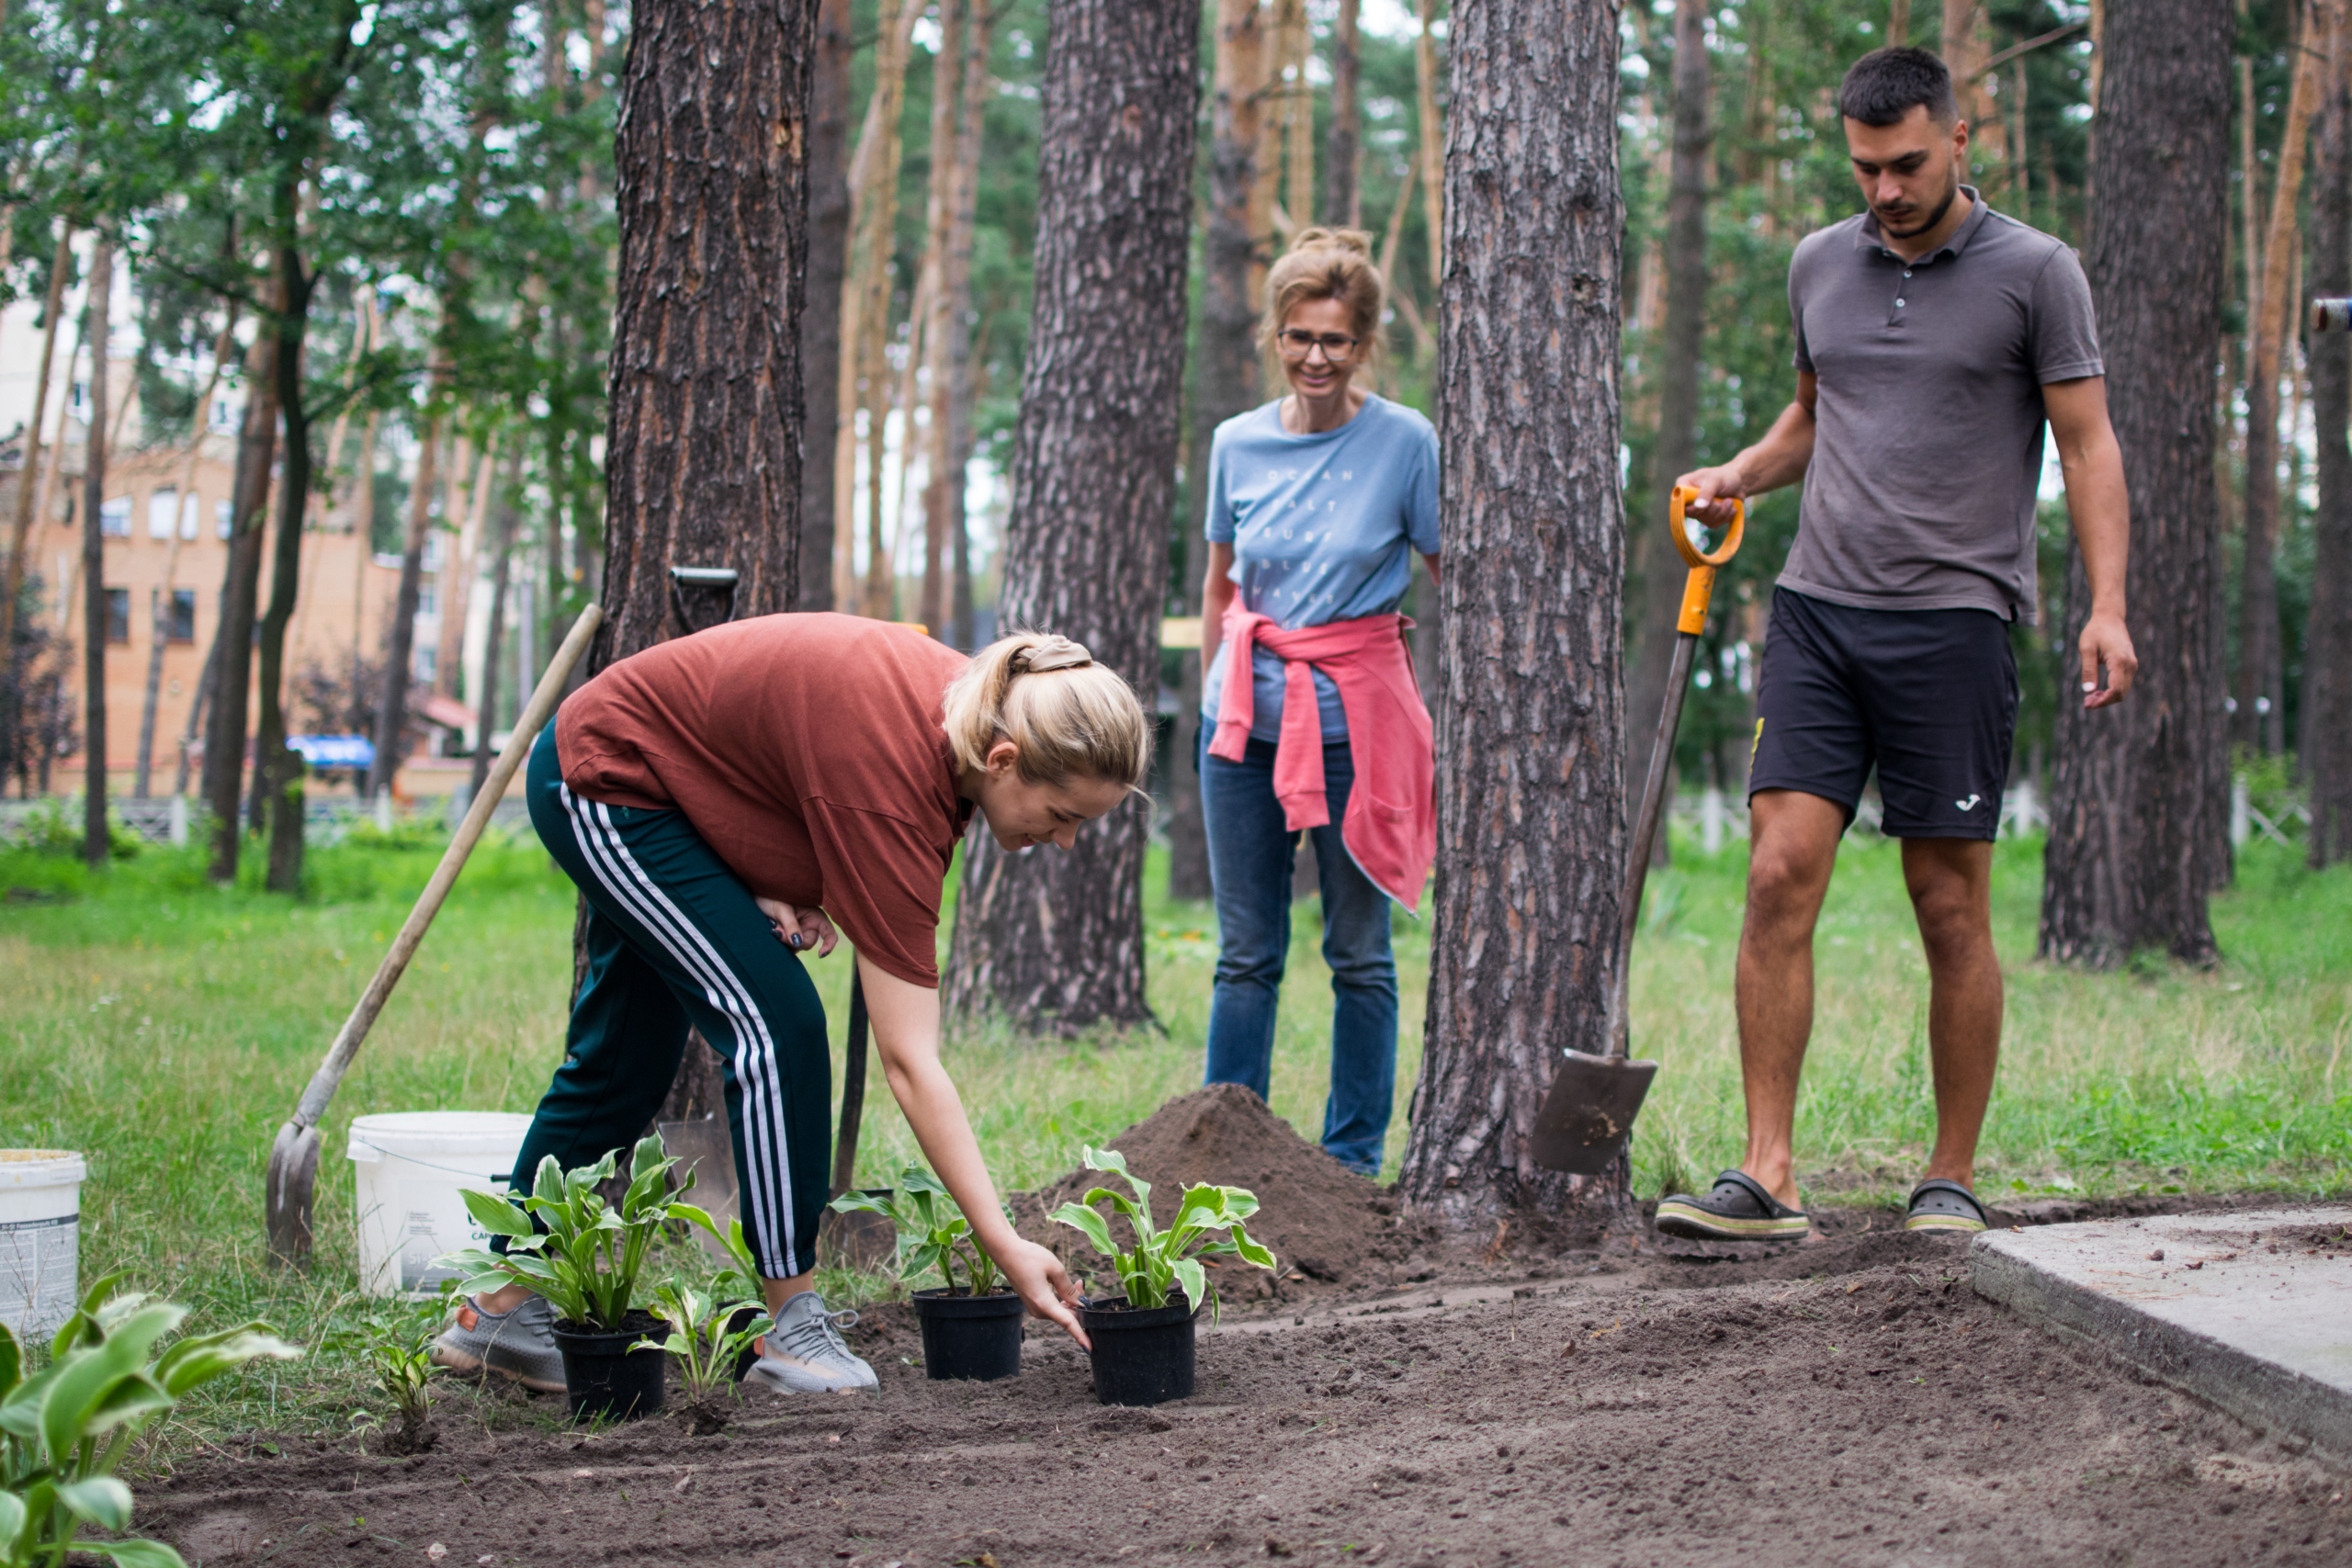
1065, 715
1327, 264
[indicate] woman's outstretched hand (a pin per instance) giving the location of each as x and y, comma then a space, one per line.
1037, 1277
800, 930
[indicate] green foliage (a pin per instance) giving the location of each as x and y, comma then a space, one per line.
1161, 1259
704, 1336
396, 1347
932, 1231
587, 1259
65, 1427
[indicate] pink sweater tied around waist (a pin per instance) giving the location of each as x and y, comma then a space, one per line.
1391, 824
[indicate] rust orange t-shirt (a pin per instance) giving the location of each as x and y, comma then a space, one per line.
807, 750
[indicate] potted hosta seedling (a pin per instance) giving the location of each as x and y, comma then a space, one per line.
1143, 1337
969, 1330
585, 1261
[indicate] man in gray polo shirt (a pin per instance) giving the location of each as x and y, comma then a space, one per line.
1934, 337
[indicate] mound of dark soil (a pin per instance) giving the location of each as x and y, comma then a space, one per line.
1326, 1224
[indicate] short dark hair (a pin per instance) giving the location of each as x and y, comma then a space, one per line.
1883, 85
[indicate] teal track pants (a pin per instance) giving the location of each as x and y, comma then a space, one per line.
674, 940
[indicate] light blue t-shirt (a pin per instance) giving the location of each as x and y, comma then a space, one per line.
1323, 528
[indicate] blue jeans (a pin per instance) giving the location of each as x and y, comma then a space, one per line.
1249, 867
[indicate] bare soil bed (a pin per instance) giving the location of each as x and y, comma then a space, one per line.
1844, 1401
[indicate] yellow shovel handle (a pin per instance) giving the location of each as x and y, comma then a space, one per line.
1699, 587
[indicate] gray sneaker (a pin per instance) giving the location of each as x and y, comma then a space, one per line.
804, 1353
519, 1343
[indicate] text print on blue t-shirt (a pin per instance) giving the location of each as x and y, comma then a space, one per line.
1323, 527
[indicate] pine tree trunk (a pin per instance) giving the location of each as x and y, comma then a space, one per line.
27, 472
1342, 150
865, 305
277, 771
2140, 796
939, 222
1225, 383
2328, 663
821, 318
1429, 149
1531, 815
507, 516
400, 645
1676, 451
955, 436
703, 465
224, 735
183, 518
1055, 941
94, 847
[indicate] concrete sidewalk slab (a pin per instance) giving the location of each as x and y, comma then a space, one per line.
2250, 1310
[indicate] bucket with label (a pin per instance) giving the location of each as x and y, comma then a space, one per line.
413, 1167
41, 1239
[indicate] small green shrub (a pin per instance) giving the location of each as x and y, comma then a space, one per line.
932, 1231
1161, 1259
65, 1427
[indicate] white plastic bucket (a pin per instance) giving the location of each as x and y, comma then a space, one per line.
411, 1167
41, 1239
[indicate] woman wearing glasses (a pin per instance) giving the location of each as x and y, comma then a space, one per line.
1311, 717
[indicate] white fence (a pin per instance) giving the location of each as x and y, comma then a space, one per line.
175, 819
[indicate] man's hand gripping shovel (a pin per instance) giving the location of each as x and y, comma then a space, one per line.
1588, 1114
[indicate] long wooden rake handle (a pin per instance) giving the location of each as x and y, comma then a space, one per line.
323, 1085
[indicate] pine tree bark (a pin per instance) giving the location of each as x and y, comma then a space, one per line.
1055, 941
29, 471
939, 221
1342, 145
277, 769
1225, 383
821, 318
2261, 694
231, 665
94, 847
704, 449
2328, 663
952, 394
507, 515
1675, 451
865, 305
400, 644
1531, 815
2140, 796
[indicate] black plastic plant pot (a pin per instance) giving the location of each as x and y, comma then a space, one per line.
965, 1336
1142, 1355
605, 1379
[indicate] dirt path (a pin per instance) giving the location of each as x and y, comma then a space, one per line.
1847, 1402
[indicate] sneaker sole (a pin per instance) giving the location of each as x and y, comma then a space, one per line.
475, 1367
1696, 1223
1942, 1222
774, 1382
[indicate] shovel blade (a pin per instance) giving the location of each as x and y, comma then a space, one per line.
1589, 1112
291, 1183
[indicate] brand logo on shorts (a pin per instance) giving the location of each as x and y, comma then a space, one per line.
1970, 804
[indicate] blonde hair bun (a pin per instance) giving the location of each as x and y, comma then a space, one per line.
1356, 240
1327, 264
1067, 716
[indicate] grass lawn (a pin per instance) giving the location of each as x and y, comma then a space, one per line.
164, 1027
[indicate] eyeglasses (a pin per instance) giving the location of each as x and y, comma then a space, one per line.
1297, 344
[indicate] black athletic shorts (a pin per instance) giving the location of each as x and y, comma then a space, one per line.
1929, 698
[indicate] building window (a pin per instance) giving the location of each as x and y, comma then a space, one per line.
225, 416
118, 615
77, 402
114, 518
427, 660
163, 506
181, 628
224, 518
428, 601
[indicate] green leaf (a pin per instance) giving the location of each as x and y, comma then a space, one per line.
1081, 1218
12, 1366
101, 1499
1255, 1252
85, 1316
83, 1382
495, 1213
1189, 1275
135, 1553
919, 1178
12, 1518
856, 1202
200, 1358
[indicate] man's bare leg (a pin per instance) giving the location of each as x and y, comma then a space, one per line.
1793, 848
1950, 882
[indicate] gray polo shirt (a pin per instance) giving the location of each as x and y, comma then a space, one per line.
1928, 449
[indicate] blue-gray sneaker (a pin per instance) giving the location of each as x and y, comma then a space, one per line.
804, 1353
518, 1344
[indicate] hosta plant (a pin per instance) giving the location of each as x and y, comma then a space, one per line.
1162, 1258
932, 1232
65, 1427
710, 1328
587, 1259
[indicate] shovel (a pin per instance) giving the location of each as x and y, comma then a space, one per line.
1589, 1111
294, 1157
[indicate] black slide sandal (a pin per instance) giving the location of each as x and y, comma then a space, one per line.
1941, 1205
